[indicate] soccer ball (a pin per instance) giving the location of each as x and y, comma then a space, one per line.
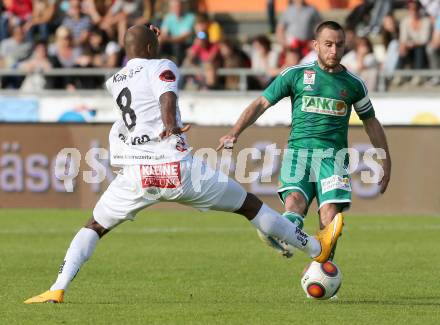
321, 281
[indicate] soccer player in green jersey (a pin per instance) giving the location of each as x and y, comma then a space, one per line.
322, 95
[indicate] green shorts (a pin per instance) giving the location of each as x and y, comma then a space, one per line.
324, 178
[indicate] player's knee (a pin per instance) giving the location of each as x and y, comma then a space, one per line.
94, 225
251, 206
295, 202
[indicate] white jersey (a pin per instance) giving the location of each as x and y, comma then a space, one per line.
136, 89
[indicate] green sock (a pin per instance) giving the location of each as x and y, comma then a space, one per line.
295, 218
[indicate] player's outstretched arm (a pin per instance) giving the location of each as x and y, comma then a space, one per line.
247, 118
168, 102
377, 137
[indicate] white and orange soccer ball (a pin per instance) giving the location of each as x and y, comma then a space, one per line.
321, 281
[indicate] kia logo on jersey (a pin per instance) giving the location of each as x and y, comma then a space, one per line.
167, 76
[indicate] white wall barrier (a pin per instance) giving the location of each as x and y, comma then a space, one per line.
223, 108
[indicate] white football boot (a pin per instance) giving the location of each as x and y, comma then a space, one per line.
283, 248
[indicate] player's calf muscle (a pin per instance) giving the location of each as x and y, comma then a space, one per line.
327, 213
250, 207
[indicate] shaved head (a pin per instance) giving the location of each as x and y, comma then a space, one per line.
140, 42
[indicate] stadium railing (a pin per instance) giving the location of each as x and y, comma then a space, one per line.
242, 73
107, 73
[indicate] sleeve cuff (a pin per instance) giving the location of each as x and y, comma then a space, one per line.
269, 99
367, 115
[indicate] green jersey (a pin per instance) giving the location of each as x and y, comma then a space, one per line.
321, 104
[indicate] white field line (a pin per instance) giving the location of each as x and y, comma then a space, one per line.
218, 230
398, 227
132, 231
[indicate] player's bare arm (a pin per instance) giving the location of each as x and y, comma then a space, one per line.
377, 137
247, 118
168, 102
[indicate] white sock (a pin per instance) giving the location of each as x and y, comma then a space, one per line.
80, 250
272, 223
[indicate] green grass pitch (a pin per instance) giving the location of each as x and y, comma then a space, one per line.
186, 267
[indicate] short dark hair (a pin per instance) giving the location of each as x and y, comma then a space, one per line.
330, 24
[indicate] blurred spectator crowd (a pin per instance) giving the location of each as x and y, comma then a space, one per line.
39, 35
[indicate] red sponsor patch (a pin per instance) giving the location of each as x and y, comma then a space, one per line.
309, 77
161, 175
167, 76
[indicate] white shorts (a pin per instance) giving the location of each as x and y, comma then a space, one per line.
189, 182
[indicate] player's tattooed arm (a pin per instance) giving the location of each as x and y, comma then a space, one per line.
247, 118
168, 103
377, 137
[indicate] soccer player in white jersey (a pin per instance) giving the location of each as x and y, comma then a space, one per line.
156, 165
